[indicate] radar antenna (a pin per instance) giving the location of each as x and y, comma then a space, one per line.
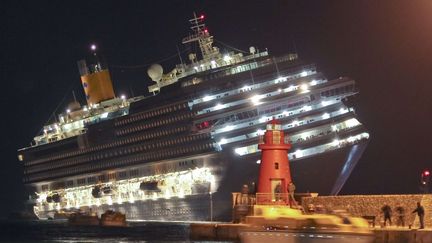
203, 37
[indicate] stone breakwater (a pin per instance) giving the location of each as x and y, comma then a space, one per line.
370, 205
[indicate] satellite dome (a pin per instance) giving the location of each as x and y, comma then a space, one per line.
155, 72
192, 57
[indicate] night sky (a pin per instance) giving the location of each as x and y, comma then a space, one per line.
386, 46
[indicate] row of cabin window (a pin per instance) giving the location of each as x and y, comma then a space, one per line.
129, 150
146, 115
113, 176
114, 163
92, 180
161, 133
337, 91
114, 144
267, 95
237, 69
78, 152
154, 124
118, 152
236, 117
283, 106
175, 211
243, 90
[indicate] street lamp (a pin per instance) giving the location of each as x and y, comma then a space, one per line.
98, 66
425, 181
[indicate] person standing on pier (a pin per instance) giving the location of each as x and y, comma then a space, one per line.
386, 209
277, 192
291, 190
400, 216
420, 212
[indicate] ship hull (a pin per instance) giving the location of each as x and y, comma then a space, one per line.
308, 175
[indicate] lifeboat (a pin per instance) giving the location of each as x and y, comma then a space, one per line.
111, 218
83, 219
107, 190
96, 192
56, 198
150, 186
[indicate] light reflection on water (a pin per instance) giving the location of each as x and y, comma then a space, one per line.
60, 232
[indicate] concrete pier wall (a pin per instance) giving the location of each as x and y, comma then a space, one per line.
402, 236
370, 205
231, 232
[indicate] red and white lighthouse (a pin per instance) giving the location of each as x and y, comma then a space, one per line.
274, 174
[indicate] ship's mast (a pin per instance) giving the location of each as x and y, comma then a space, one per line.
203, 37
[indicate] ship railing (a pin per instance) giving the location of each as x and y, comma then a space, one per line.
244, 202
242, 205
247, 199
243, 199
272, 199
261, 139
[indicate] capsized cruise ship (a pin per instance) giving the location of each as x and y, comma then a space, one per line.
178, 152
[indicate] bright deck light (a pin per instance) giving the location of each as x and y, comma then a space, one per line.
256, 99
352, 122
307, 108
241, 151
335, 142
343, 110
228, 128
304, 87
281, 79
223, 141
290, 88
260, 132
219, 106
207, 98
325, 103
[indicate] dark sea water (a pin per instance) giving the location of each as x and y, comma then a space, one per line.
60, 231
